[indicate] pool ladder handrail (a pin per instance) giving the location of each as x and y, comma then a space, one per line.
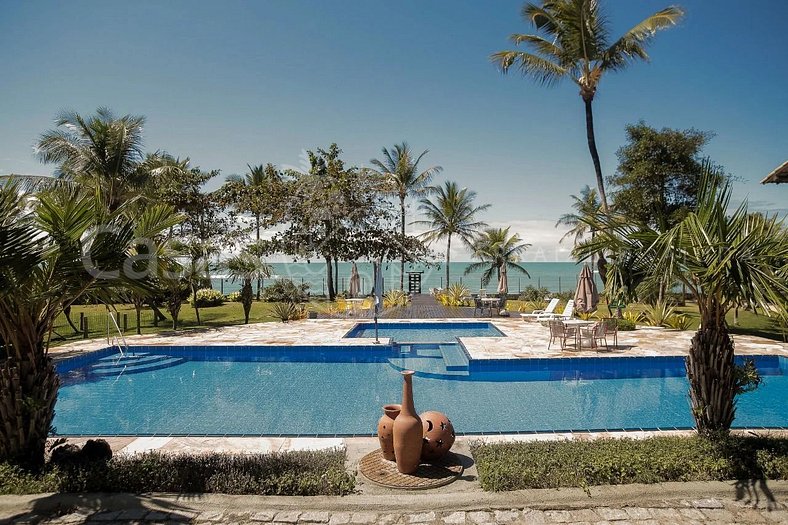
116, 341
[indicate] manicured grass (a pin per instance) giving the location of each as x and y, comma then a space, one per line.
516, 466
290, 473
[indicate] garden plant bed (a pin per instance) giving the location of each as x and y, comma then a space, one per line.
516, 466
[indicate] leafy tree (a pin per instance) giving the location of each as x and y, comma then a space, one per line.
450, 211
400, 171
575, 43
659, 173
101, 152
54, 249
337, 213
246, 268
723, 260
495, 248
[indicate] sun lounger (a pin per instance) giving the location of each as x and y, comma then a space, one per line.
541, 313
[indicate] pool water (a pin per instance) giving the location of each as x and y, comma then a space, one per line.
340, 391
425, 332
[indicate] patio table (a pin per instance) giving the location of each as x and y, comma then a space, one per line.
579, 323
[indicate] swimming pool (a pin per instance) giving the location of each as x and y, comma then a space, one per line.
425, 332
339, 390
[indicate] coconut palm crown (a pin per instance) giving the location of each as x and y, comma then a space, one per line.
450, 211
496, 248
399, 169
573, 41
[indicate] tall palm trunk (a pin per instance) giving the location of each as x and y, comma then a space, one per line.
330, 279
28, 391
257, 229
448, 260
402, 252
711, 372
246, 299
600, 182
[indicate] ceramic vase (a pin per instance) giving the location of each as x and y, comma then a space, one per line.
407, 430
386, 430
438, 436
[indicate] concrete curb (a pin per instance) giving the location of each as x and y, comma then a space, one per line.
762, 493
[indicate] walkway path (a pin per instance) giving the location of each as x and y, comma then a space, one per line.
569, 506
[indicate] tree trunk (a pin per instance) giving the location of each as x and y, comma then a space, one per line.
259, 280
138, 310
336, 275
402, 253
196, 308
28, 391
246, 299
711, 372
600, 182
67, 314
448, 261
330, 280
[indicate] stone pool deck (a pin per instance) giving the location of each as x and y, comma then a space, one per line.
523, 339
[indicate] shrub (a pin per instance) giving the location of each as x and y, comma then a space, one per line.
633, 317
586, 316
453, 295
658, 313
679, 322
394, 298
303, 473
207, 297
532, 293
233, 297
286, 291
516, 466
530, 306
625, 325
289, 311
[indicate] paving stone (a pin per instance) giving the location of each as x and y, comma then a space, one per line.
531, 516
506, 516
777, 516
422, 517
557, 516
314, 517
105, 516
666, 515
609, 514
263, 515
363, 517
183, 516
750, 516
339, 518
638, 513
480, 516
454, 518
135, 515
647, 522
692, 514
719, 515
583, 515
72, 518
603, 523
388, 519
709, 503
156, 515
287, 516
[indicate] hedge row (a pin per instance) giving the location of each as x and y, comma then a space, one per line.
515, 466
305, 473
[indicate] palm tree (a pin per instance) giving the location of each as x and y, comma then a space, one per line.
575, 44
586, 206
42, 271
400, 171
102, 153
724, 260
495, 248
251, 193
450, 212
246, 267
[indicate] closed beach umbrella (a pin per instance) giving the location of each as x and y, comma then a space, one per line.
586, 296
503, 281
378, 287
355, 281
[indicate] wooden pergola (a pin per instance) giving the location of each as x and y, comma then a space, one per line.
778, 176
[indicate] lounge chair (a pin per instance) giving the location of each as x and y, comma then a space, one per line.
537, 313
561, 332
568, 313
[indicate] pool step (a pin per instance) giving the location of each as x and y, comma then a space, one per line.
454, 358
133, 364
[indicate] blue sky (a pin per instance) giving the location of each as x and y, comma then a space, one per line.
230, 83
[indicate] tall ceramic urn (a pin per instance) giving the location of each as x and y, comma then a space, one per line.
408, 431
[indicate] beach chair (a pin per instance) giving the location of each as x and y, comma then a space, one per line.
568, 313
546, 311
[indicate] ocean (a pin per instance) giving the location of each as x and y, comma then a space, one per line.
555, 276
